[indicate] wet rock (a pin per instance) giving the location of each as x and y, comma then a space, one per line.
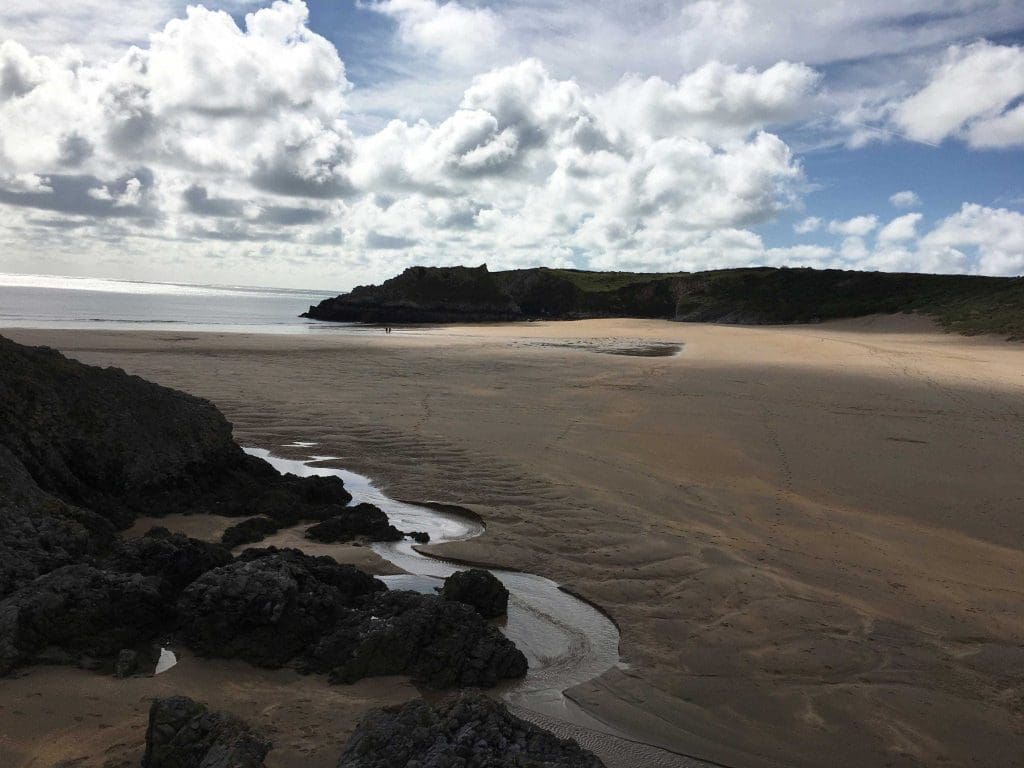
361, 521
249, 531
472, 731
127, 663
183, 733
81, 615
477, 588
421, 537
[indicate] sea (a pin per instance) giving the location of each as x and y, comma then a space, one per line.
46, 301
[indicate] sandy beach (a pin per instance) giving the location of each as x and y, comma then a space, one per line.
810, 537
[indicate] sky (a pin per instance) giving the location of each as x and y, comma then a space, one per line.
326, 144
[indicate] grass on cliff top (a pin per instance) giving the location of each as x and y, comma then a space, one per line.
599, 282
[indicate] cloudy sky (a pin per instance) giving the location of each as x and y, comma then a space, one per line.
325, 144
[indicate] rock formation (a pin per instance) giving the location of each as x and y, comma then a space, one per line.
472, 731
479, 589
249, 531
281, 607
183, 733
751, 296
363, 521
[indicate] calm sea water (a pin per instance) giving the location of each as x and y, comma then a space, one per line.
40, 301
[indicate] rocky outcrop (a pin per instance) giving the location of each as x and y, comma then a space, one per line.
362, 521
183, 733
249, 531
423, 295
120, 446
84, 450
81, 615
172, 558
469, 732
478, 589
280, 607
749, 296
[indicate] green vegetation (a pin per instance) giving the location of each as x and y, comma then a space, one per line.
751, 296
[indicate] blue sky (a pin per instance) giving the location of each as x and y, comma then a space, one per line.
298, 144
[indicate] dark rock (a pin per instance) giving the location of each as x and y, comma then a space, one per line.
121, 446
127, 663
78, 614
177, 560
183, 733
281, 607
424, 295
472, 731
269, 607
361, 521
477, 588
440, 644
421, 537
249, 531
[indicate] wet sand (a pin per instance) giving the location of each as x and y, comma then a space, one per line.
811, 538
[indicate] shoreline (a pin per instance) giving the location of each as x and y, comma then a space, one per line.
743, 510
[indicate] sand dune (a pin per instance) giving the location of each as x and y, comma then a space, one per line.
812, 538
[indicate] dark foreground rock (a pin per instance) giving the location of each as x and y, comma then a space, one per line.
78, 614
362, 521
479, 589
120, 446
183, 733
468, 732
280, 607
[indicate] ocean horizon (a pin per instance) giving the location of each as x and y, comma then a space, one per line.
52, 301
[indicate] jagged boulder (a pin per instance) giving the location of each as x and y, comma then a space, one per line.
183, 733
362, 521
177, 560
477, 588
472, 731
249, 531
440, 644
78, 614
281, 607
268, 607
121, 446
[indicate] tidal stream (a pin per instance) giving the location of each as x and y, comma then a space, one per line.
566, 640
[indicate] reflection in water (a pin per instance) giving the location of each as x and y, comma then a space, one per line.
166, 661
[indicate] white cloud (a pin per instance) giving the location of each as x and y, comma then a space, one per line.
997, 234
448, 29
858, 226
808, 225
905, 199
967, 96
899, 229
716, 102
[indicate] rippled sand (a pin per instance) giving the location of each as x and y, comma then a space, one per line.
811, 537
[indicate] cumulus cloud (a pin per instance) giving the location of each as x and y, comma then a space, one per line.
905, 199
858, 226
448, 29
807, 225
996, 234
899, 229
716, 102
968, 96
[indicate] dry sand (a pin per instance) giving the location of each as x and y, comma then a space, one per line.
812, 538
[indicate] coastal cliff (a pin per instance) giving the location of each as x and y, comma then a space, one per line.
750, 296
